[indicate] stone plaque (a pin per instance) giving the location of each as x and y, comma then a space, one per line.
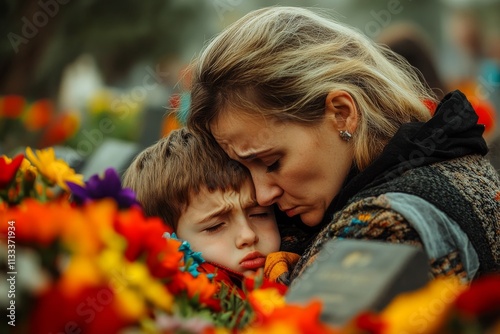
350, 276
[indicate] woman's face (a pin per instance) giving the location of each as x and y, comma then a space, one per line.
299, 167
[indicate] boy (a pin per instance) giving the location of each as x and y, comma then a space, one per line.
209, 201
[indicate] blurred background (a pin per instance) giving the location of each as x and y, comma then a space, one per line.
101, 80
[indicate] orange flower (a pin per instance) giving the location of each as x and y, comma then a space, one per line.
62, 128
486, 114
169, 123
167, 262
39, 222
199, 286
90, 227
291, 319
38, 115
11, 106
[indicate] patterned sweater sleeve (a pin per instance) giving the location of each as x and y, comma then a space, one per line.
373, 219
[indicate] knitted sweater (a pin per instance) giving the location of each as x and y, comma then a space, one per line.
444, 200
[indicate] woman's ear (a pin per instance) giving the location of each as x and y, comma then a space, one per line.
341, 109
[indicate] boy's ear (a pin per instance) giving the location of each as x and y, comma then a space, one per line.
341, 110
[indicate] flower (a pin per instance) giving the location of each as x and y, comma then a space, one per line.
109, 186
61, 128
12, 106
483, 297
38, 115
290, 319
8, 169
54, 170
422, 311
192, 259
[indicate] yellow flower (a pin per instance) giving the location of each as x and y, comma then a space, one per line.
80, 272
267, 300
280, 327
54, 170
133, 285
100, 102
30, 172
222, 331
424, 310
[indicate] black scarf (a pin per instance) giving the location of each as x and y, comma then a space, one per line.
451, 133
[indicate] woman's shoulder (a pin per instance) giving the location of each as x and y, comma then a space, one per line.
380, 218
369, 218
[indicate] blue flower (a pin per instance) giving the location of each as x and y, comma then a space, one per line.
192, 259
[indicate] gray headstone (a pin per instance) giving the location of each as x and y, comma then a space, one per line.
113, 153
351, 276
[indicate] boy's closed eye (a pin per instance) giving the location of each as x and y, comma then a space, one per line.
260, 214
214, 228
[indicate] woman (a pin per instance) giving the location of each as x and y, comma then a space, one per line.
333, 129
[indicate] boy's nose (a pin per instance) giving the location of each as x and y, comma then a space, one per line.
246, 236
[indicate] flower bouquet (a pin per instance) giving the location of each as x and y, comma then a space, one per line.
81, 257
98, 265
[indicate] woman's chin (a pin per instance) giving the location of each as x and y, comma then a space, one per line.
311, 218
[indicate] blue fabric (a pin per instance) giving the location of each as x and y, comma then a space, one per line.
439, 233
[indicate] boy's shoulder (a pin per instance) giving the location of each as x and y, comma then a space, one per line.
223, 275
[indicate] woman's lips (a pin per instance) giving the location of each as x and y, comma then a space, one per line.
290, 212
253, 261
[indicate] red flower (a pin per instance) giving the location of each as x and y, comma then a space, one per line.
91, 310
63, 127
249, 283
483, 297
144, 237
143, 234
200, 287
370, 322
8, 169
11, 106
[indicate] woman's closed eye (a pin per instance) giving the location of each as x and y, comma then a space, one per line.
273, 167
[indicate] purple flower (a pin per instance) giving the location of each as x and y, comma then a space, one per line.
108, 186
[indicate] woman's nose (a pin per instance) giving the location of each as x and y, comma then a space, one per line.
266, 191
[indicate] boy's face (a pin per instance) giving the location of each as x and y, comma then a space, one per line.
230, 229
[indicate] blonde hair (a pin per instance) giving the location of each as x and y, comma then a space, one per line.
283, 61
165, 175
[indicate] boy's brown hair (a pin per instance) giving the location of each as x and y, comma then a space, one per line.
165, 175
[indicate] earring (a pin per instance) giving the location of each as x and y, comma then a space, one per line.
345, 135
